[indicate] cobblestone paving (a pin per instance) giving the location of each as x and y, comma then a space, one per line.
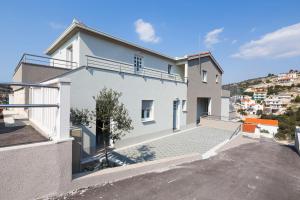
198, 140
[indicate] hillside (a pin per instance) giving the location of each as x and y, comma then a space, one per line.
271, 80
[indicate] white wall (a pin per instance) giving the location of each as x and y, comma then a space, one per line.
61, 53
225, 108
92, 46
272, 129
87, 83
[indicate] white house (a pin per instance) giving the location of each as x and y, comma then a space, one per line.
161, 93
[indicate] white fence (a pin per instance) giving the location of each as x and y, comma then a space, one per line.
44, 118
52, 118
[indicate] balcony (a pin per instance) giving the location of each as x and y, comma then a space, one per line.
34, 69
122, 67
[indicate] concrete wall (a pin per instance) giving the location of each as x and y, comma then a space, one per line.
35, 170
225, 108
196, 88
272, 129
86, 44
134, 88
93, 46
61, 53
31, 73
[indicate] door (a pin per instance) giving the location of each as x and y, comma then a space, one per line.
175, 115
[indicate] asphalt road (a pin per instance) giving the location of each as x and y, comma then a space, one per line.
263, 170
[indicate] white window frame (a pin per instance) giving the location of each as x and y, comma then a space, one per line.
184, 106
138, 62
217, 78
147, 111
204, 76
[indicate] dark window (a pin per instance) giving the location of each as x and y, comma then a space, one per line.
169, 69
137, 62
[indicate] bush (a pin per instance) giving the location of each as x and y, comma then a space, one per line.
287, 123
264, 131
297, 99
259, 112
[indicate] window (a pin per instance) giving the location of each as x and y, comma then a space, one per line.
169, 69
147, 110
184, 105
204, 76
217, 78
70, 53
138, 62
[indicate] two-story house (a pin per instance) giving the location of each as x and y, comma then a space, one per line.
161, 93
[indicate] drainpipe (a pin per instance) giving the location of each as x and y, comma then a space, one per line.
199, 59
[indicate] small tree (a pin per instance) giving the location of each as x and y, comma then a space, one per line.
259, 112
297, 99
111, 117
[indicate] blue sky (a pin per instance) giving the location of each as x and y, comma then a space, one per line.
248, 38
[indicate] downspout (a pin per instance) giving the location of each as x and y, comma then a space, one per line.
199, 60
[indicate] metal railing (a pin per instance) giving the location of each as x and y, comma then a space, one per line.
27, 105
45, 105
236, 131
123, 67
46, 61
221, 118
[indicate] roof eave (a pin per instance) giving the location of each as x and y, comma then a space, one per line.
76, 25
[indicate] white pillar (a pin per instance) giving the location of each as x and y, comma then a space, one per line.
186, 71
62, 128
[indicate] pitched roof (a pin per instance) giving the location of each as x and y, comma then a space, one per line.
76, 26
204, 54
268, 122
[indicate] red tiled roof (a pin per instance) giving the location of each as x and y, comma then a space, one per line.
256, 121
249, 128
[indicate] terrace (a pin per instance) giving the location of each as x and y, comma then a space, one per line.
34, 68
23, 122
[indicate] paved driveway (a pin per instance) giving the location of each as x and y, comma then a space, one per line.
198, 140
262, 170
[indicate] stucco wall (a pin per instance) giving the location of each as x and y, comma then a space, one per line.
225, 108
61, 52
31, 73
90, 45
35, 170
196, 88
87, 83
272, 129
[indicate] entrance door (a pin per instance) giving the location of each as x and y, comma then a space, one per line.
203, 108
175, 115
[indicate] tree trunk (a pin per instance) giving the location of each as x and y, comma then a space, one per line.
106, 153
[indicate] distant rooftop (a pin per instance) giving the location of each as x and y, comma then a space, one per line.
269, 122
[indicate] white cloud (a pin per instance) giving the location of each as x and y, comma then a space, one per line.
233, 41
55, 25
146, 31
212, 37
283, 42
